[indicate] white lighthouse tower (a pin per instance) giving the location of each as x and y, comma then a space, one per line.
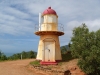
49, 46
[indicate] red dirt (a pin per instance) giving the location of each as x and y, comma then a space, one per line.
73, 68
18, 67
21, 67
70, 66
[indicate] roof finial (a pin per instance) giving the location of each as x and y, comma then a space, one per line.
49, 7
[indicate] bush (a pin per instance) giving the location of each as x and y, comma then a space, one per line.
86, 46
67, 56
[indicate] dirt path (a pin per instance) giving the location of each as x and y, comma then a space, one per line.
17, 67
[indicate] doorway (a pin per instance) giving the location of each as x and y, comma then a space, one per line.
49, 50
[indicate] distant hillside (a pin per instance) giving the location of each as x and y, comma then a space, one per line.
66, 46
35, 53
64, 49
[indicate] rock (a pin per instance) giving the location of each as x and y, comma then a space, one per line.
67, 72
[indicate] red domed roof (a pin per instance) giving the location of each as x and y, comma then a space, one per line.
49, 11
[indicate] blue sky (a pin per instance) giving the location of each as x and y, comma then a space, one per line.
18, 19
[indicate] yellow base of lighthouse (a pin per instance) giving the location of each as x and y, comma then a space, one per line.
49, 47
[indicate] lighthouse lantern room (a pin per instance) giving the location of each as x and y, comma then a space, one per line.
49, 47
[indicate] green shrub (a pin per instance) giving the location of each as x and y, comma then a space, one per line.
86, 47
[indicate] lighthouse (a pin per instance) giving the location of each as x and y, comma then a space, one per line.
49, 31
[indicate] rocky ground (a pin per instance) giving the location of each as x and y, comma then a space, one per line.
22, 67
63, 68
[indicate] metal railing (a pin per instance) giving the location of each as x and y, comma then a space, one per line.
59, 28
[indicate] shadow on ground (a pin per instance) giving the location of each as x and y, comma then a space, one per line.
67, 56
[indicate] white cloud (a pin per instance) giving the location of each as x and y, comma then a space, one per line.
93, 25
11, 24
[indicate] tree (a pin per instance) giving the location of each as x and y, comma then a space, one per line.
79, 36
24, 55
31, 54
3, 57
63, 49
0, 54
86, 46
